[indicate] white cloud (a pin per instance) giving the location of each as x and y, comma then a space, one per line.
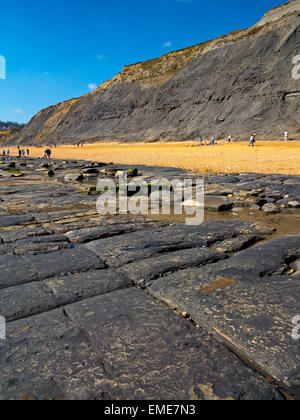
167, 44
92, 86
18, 111
101, 57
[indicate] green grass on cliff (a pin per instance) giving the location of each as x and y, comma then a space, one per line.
168, 65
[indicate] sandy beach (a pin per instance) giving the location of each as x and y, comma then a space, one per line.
265, 157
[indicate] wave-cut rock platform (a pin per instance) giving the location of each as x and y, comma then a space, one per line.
135, 307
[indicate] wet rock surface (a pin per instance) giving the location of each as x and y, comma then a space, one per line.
250, 301
84, 295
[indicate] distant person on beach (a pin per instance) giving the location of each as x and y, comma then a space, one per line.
7, 152
3, 153
19, 151
252, 140
286, 136
229, 139
28, 152
23, 153
201, 141
47, 154
212, 141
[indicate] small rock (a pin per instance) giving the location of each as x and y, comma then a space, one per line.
270, 200
255, 207
251, 201
276, 195
217, 203
73, 177
294, 204
243, 193
15, 173
256, 192
132, 172
270, 208
91, 171
110, 171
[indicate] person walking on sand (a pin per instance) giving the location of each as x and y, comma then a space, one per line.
19, 151
252, 140
7, 152
212, 141
28, 152
229, 139
286, 136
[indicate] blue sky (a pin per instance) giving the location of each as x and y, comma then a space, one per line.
58, 50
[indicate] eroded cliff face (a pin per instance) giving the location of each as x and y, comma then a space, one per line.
231, 85
7, 136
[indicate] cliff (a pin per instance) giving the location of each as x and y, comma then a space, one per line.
234, 84
8, 130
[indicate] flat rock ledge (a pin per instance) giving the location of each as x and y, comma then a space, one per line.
137, 308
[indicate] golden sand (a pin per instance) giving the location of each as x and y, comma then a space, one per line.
265, 157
